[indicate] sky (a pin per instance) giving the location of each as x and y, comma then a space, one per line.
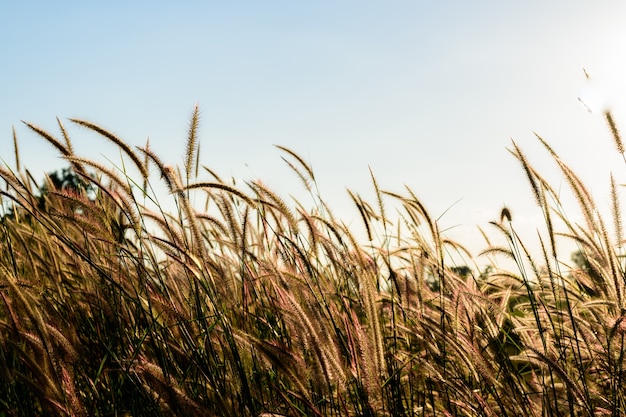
422, 93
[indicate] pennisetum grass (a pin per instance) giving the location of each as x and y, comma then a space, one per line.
254, 305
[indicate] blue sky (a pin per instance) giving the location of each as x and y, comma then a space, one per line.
424, 93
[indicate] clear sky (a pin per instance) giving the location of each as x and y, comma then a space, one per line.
425, 93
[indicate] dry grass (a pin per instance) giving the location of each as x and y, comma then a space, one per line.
255, 306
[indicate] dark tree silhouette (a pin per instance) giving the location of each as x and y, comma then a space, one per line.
66, 179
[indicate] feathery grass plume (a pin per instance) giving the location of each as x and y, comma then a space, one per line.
306, 179
362, 351
505, 214
563, 375
314, 342
332, 230
300, 160
613, 262
166, 171
192, 148
519, 254
40, 340
412, 202
308, 220
213, 174
171, 396
596, 228
457, 247
66, 137
617, 214
282, 358
123, 200
368, 281
539, 187
572, 349
51, 139
17, 152
274, 201
78, 168
359, 205
379, 200
217, 227
31, 180
22, 194
617, 138
550, 226
146, 162
583, 197
196, 243
218, 186
109, 174
530, 172
542, 190
110, 136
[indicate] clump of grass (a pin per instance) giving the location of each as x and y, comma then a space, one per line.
253, 305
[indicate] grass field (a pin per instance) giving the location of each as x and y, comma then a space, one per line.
245, 304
